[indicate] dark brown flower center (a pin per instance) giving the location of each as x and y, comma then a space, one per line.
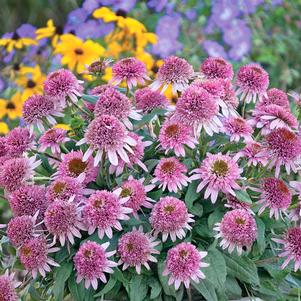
15, 36
130, 246
126, 192
76, 166
169, 209
98, 204
172, 130
183, 253
30, 83
168, 167
121, 13
26, 251
10, 106
16, 67
59, 187
257, 70
240, 221
282, 187
59, 30
88, 253
78, 51
220, 168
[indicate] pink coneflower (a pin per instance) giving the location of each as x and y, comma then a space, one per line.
219, 173
72, 165
275, 195
184, 262
8, 287
284, 148
254, 153
216, 67
131, 70
297, 187
295, 214
198, 108
296, 97
91, 263
136, 192
52, 139
107, 135
252, 82
15, 172
61, 84
275, 97
134, 158
3, 148
148, 100
63, 221
38, 108
174, 135
103, 210
291, 242
237, 230
135, 249
176, 72
112, 102
169, 216
213, 86
34, 256
236, 128
64, 188
229, 101
20, 229
234, 203
28, 199
170, 174
272, 117
18, 141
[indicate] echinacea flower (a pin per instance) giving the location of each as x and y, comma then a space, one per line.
197, 108
254, 153
216, 67
170, 173
91, 263
237, 230
8, 287
148, 100
107, 135
252, 82
72, 165
130, 70
219, 173
229, 101
52, 139
135, 249
137, 194
291, 247
176, 72
18, 141
184, 263
62, 220
76, 53
64, 187
37, 109
134, 158
112, 102
275, 195
3, 148
103, 211
284, 148
28, 199
61, 84
15, 172
34, 256
20, 229
174, 136
236, 128
170, 216
234, 203
275, 96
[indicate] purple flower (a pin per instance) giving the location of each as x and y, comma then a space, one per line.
157, 5
240, 50
214, 49
236, 31
223, 12
77, 17
2, 84
126, 5
249, 6
90, 5
191, 14
93, 29
27, 30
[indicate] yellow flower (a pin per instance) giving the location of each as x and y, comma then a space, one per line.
108, 74
50, 31
16, 42
173, 98
12, 108
31, 79
77, 53
3, 128
63, 126
146, 58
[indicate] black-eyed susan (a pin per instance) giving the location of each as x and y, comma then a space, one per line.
76, 53
14, 41
31, 79
3, 128
12, 108
50, 31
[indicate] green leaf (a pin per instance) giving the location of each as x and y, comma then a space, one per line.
260, 235
191, 194
108, 287
217, 270
206, 288
90, 98
148, 117
61, 275
232, 287
242, 268
138, 288
169, 289
155, 288
243, 196
78, 291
